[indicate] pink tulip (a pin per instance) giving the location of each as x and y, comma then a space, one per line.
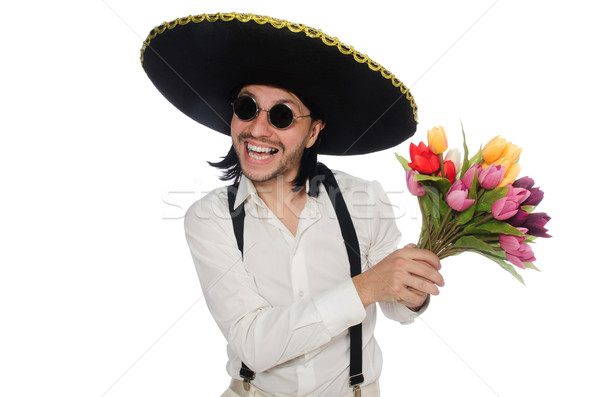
491, 176
516, 250
414, 187
468, 176
524, 254
457, 197
505, 208
518, 193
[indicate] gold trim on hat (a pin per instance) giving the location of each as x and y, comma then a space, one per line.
292, 27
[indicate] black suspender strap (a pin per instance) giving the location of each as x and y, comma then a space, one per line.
353, 251
237, 217
325, 175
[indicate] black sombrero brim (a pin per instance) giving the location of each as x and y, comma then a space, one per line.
198, 62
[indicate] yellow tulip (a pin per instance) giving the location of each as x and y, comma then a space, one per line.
510, 175
493, 149
436, 138
510, 154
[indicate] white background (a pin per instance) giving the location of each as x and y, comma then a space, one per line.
98, 293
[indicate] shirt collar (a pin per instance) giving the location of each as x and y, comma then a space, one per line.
246, 189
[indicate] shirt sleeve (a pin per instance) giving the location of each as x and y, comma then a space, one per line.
385, 238
262, 336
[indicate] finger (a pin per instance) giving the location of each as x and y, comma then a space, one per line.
421, 255
411, 298
420, 284
423, 270
411, 245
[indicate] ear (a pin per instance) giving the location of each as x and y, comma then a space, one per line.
313, 133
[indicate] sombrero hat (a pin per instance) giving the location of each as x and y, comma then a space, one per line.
199, 61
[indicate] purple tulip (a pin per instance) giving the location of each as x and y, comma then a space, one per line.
535, 224
536, 195
505, 208
491, 176
468, 176
518, 219
524, 183
414, 187
457, 197
535, 198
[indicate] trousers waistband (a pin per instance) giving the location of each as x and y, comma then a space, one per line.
372, 389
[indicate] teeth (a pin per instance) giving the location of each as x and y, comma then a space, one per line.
254, 156
260, 149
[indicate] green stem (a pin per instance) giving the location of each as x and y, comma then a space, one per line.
442, 165
442, 225
424, 244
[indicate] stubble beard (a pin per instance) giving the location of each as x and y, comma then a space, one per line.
286, 161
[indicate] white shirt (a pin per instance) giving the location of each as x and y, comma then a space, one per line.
286, 307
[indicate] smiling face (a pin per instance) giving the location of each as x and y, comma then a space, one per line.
266, 152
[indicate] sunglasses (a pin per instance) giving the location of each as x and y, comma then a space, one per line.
280, 115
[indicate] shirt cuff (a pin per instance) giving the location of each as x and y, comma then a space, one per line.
340, 308
398, 312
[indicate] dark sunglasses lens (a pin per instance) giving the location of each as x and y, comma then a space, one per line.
281, 116
244, 108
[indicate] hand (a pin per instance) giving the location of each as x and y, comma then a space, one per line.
406, 275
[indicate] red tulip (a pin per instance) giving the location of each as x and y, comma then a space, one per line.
449, 171
423, 159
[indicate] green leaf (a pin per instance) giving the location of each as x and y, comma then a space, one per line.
528, 208
403, 161
530, 239
473, 187
426, 204
490, 197
493, 226
530, 265
504, 265
476, 158
465, 165
441, 184
433, 199
466, 215
474, 243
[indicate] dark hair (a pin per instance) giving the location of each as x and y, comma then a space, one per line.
232, 170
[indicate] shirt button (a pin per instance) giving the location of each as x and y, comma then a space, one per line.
301, 294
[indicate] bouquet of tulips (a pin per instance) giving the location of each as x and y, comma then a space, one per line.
478, 206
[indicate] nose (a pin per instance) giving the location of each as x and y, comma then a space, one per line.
260, 124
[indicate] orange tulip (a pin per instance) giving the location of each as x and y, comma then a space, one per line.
511, 153
510, 175
436, 138
493, 149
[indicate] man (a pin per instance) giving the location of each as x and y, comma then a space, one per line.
291, 256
